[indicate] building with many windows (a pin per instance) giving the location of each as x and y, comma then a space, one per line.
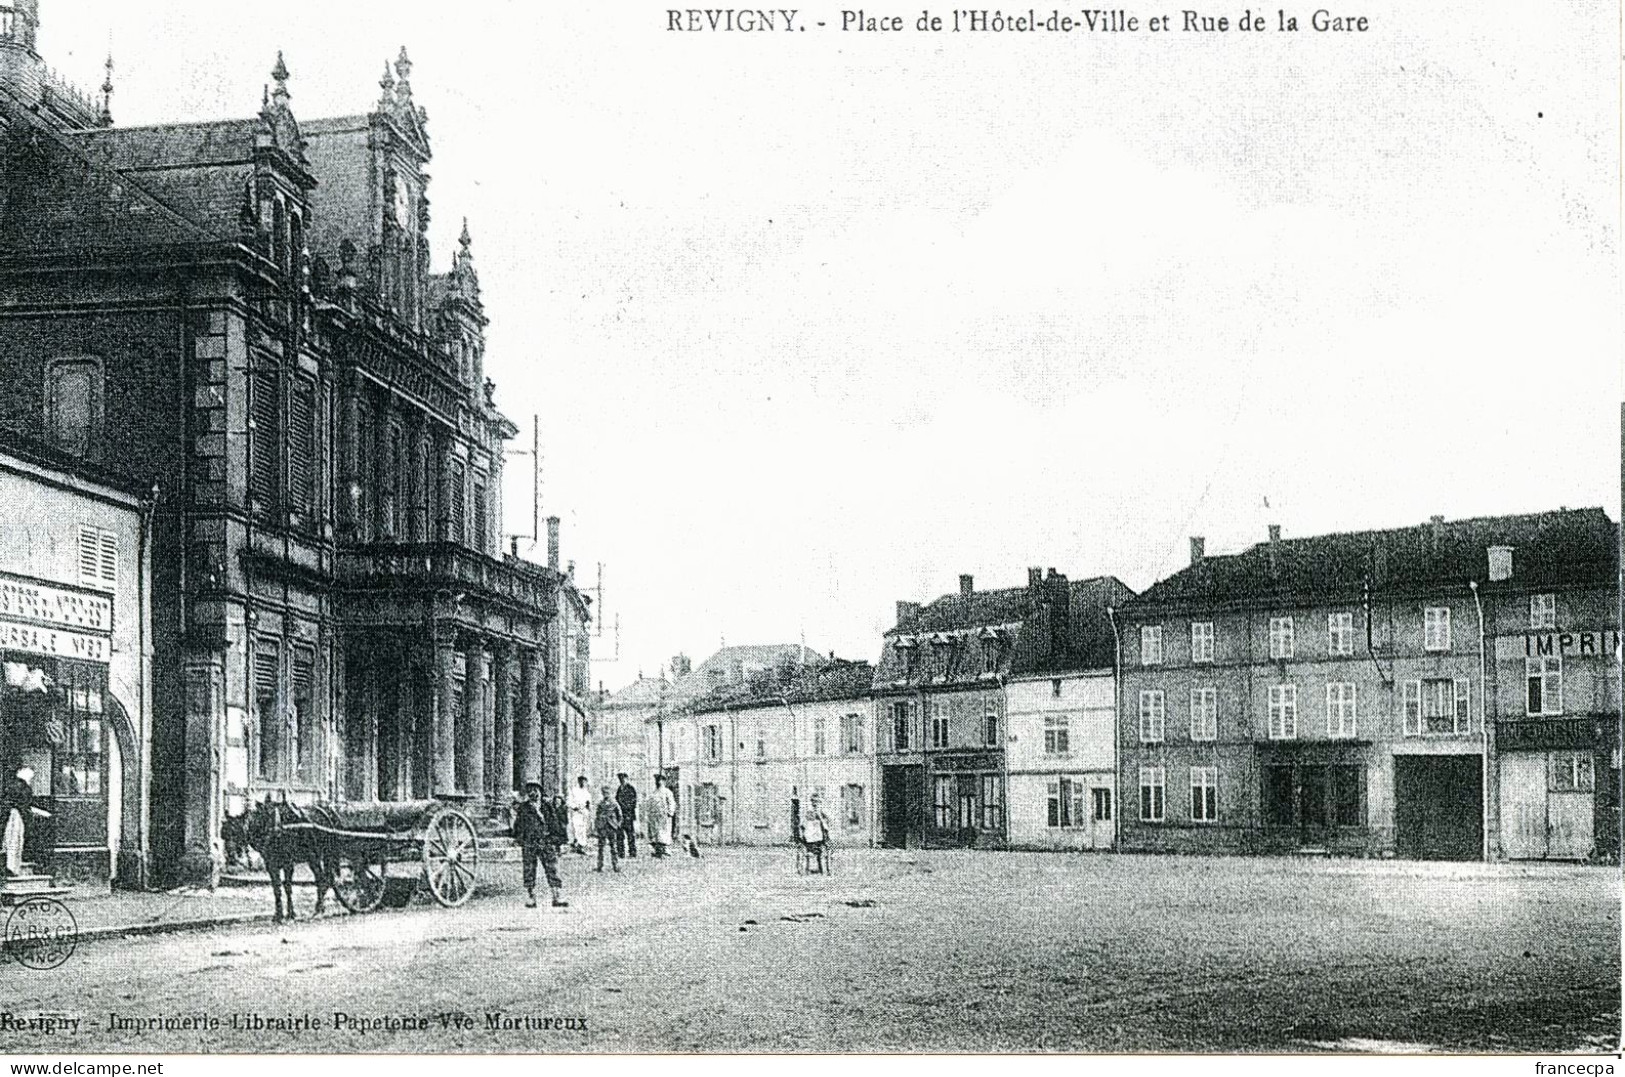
769, 747
1061, 752
1551, 604
242, 313
940, 701
1325, 693
672, 745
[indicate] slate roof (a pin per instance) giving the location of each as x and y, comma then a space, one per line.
824, 681
57, 197
1571, 546
949, 636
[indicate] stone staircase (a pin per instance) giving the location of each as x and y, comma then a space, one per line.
30, 884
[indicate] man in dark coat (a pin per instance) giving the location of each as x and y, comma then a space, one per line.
627, 797
535, 831
606, 828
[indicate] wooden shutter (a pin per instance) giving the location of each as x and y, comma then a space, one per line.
89, 556
302, 445
108, 559
265, 463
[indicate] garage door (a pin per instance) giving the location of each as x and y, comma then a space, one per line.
1438, 807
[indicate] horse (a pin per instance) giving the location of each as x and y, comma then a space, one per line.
265, 828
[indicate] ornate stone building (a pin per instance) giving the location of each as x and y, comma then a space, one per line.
242, 312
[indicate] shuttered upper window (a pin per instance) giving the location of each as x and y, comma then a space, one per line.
265, 458
456, 512
302, 446
98, 558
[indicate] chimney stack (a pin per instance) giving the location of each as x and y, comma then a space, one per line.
1436, 526
967, 584
1275, 542
1500, 563
1035, 576
513, 545
907, 611
553, 543
1275, 532
1198, 549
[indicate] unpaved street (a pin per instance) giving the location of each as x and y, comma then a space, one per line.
897, 951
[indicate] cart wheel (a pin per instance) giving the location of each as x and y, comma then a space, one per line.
359, 882
451, 856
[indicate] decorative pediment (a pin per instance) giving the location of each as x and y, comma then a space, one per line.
410, 119
278, 128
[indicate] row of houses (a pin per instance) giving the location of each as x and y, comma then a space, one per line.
1446, 691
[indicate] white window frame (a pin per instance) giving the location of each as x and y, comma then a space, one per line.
1283, 711
1153, 716
1340, 635
1414, 701
1204, 714
1573, 772
1283, 642
1156, 780
1058, 735
1204, 781
1204, 641
1543, 611
939, 714
1549, 669
1342, 709
1436, 629
1150, 645
820, 735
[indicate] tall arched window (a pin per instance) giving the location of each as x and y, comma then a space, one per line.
73, 405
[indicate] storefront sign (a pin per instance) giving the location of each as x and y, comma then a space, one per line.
55, 607
1596, 643
55, 642
1540, 734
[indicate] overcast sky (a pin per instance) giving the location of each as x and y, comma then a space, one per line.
818, 321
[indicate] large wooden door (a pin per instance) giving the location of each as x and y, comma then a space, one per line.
1572, 819
1523, 806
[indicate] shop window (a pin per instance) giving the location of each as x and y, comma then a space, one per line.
942, 802
1348, 795
1573, 772
992, 802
